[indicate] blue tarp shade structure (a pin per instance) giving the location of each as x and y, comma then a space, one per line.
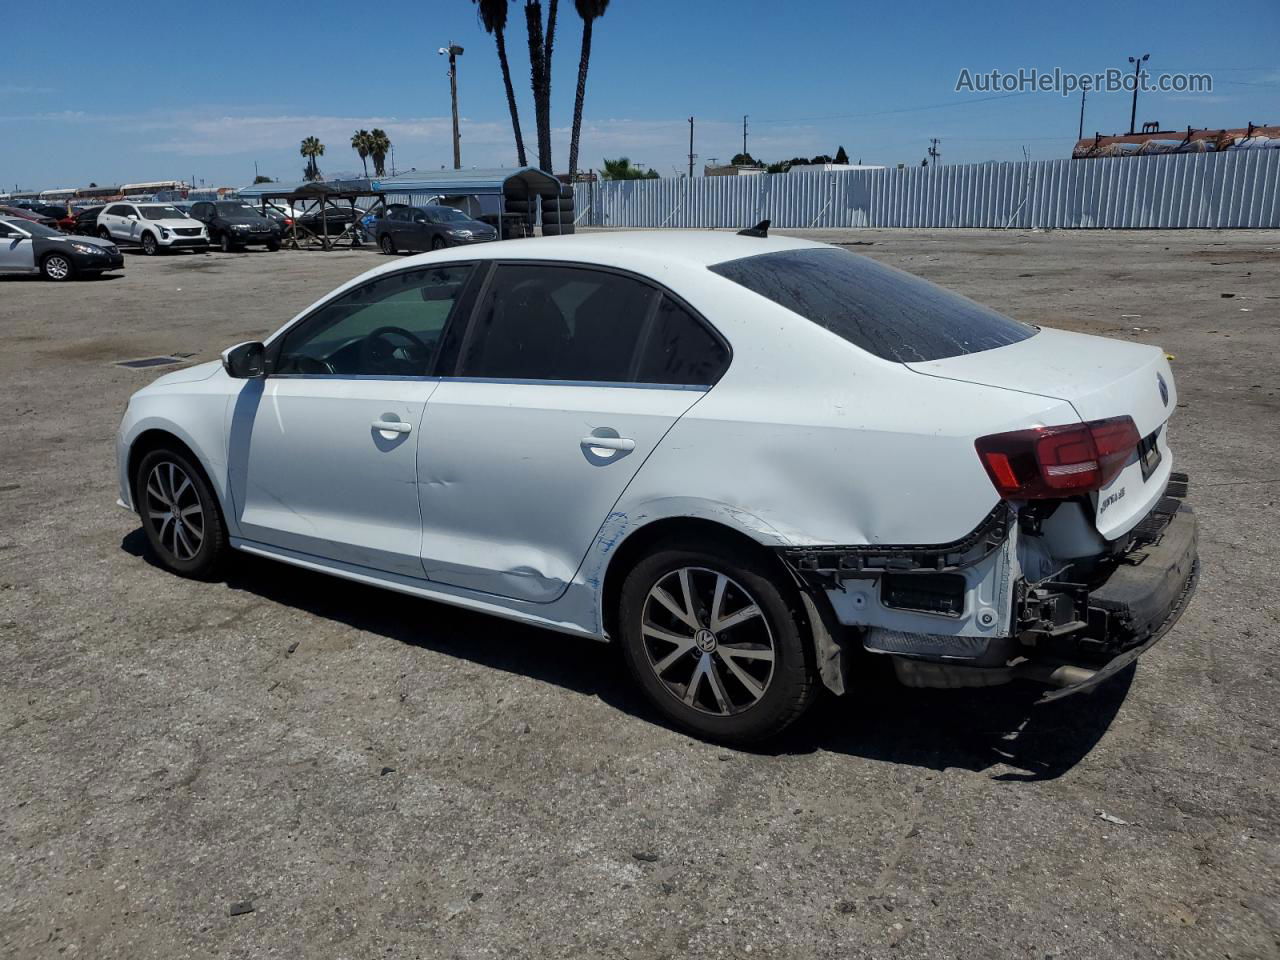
517, 183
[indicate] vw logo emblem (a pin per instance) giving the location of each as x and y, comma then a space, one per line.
1164, 389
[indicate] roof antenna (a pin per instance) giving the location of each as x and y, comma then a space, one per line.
761, 229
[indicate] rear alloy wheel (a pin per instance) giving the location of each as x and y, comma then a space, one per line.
57, 266
386, 244
149, 244
180, 514
437, 242
104, 233
717, 641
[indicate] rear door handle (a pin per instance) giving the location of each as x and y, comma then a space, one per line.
621, 444
392, 426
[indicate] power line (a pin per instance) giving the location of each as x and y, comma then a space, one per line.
881, 113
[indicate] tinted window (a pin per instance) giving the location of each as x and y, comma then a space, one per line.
388, 327
887, 312
558, 323
162, 213
680, 349
5, 231
118, 210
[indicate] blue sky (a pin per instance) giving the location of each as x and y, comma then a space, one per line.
205, 89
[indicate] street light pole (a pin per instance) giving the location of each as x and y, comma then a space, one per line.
1137, 69
453, 51
1080, 135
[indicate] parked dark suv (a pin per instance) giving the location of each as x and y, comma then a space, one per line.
233, 224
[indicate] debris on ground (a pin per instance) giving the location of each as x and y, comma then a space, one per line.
240, 908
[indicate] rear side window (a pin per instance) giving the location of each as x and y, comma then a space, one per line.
887, 312
680, 349
558, 323
541, 322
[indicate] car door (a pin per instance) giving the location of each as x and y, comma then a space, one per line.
323, 451
562, 388
17, 250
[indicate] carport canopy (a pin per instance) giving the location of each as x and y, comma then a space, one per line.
311, 190
516, 183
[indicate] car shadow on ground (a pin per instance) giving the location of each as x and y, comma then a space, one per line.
877, 719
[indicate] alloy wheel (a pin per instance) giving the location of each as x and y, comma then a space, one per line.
707, 640
58, 268
174, 510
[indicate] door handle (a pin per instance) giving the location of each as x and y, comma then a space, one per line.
621, 444
392, 426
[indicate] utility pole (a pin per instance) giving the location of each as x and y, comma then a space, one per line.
454, 51
934, 155
1080, 135
1137, 70
692, 155
744, 136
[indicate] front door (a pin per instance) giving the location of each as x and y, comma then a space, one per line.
568, 379
323, 451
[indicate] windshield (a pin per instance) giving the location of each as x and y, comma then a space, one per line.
237, 210
890, 313
446, 215
35, 229
162, 213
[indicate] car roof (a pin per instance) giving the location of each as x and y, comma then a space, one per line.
700, 248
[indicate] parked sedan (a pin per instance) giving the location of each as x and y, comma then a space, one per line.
29, 247
747, 460
429, 228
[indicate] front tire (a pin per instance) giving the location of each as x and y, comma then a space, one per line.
437, 242
180, 514
715, 637
224, 242
273, 245
57, 267
150, 246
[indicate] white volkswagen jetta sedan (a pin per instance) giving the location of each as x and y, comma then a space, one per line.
745, 459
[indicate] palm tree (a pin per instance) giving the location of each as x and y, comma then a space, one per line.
621, 169
589, 11
540, 74
360, 144
379, 147
493, 15
312, 148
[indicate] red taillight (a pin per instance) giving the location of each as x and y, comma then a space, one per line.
1058, 461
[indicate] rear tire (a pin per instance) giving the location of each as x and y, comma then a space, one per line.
57, 267
180, 514
387, 245
104, 233
437, 242
746, 671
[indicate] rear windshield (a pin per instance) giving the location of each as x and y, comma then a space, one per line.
887, 312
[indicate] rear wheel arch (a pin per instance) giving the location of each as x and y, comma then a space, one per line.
643, 540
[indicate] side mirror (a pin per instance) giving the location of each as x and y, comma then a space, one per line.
133, 216
245, 361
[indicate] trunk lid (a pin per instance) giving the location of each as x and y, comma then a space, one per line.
1100, 378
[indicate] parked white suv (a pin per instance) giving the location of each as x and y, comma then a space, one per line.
155, 227
746, 459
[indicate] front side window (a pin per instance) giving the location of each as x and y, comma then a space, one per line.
541, 322
887, 312
390, 326
40, 230
6, 231
119, 210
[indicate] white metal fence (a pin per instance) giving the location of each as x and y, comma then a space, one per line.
1206, 190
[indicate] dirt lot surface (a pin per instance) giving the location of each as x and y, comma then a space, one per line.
413, 781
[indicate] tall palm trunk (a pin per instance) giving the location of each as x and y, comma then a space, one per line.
539, 71
583, 61
501, 41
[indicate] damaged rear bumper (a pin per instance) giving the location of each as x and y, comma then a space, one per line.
1073, 637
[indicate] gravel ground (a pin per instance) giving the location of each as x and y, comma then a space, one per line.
384, 777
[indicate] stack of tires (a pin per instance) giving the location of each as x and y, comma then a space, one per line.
557, 213
528, 211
